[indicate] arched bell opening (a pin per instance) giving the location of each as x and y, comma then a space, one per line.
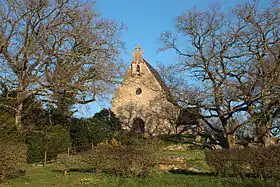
138, 126
138, 69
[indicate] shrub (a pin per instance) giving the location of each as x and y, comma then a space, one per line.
113, 143
139, 141
54, 142
260, 162
8, 131
36, 149
13, 157
265, 162
58, 141
101, 127
66, 162
228, 162
122, 161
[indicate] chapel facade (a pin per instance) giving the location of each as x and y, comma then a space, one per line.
143, 102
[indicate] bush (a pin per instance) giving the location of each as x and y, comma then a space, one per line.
54, 142
13, 157
66, 162
101, 127
139, 141
259, 162
8, 131
58, 141
36, 149
122, 161
229, 162
265, 162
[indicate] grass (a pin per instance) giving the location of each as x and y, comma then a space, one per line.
46, 177
193, 158
38, 176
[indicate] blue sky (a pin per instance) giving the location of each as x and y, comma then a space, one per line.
145, 20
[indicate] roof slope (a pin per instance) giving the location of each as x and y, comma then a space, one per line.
161, 82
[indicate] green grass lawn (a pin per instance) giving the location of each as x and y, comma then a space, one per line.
193, 158
46, 177
38, 176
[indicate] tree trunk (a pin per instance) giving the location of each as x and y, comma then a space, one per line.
231, 141
18, 116
264, 136
266, 139
229, 137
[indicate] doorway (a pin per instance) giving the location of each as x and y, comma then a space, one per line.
139, 126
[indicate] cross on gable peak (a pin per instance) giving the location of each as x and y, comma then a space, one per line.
137, 55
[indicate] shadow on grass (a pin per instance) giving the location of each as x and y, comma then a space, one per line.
249, 180
187, 139
253, 183
176, 138
187, 172
76, 170
258, 182
16, 174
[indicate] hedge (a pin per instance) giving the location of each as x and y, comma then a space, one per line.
122, 161
13, 157
257, 162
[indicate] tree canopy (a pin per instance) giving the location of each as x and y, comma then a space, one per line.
234, 56
63, 52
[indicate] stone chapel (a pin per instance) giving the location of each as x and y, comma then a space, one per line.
143, 102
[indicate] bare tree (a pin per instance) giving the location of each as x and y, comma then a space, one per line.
261, 41
183, 93
56, 49
186, 97
215, 48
